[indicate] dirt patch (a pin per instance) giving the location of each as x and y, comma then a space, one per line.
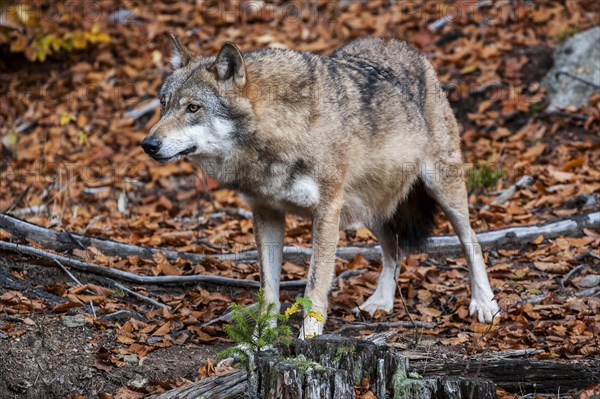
540, 59
53, 361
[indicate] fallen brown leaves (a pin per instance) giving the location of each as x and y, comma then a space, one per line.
78, 167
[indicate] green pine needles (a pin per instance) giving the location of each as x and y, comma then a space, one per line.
259, 328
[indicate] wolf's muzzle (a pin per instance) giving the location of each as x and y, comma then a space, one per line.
151, 145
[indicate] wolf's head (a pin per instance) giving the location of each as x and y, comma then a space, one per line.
203, 111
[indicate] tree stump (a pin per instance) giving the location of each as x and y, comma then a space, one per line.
330, 367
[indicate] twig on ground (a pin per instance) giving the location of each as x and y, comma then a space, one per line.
30, 210
227, 317
157, 280
586, 254
67, 272
383, 325
399, 289
507, 194
140, 296
72, 277
143, 110
588, 292
347, 274
511, 353
441, 22
74, 240
210, 245
123, 314
562, 114
20, 198
571, 273
481, 337
577, 78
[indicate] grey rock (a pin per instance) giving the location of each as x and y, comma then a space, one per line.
138, 382
579, 56
589, 281
131, 358
73, 321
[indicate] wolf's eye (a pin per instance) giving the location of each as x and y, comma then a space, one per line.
193, 108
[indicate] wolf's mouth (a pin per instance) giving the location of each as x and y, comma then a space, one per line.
183, 153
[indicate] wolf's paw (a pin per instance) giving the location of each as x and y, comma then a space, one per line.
486, 308
311, 328
374, 303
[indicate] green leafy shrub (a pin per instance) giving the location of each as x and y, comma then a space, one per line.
37, 33
482, 177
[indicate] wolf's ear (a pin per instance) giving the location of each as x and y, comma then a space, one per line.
229, 65
181, 55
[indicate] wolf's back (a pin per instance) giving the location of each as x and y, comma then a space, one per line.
421, 98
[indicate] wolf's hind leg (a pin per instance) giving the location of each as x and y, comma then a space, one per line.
451, 194
383, 297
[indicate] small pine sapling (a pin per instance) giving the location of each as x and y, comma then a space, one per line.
255, 329
258, 328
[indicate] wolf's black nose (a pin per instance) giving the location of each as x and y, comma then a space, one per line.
151, 145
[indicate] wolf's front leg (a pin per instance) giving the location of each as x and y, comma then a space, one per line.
269, 229
325, 234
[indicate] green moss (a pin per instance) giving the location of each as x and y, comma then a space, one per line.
536, 108
118, 293
304, 364
483, 177
405, 385
566, 33
341, 351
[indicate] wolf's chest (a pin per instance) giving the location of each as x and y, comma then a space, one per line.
299, 196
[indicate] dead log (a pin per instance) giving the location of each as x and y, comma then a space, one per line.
232, 385
517, 375
136, 278
330, 367
65, 241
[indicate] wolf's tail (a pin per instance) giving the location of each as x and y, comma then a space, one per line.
414, 219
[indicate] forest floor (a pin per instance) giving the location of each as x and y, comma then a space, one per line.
72, 162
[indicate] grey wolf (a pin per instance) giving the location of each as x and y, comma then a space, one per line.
365, 135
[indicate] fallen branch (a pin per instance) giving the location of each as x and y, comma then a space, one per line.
123, 315
76, 281
441, 22
383, 325
135, 278
64, 242
140, 296
507, 194
586, 254
573, 272
222, 387
61, 241
143, 110
517, 374
67, 272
